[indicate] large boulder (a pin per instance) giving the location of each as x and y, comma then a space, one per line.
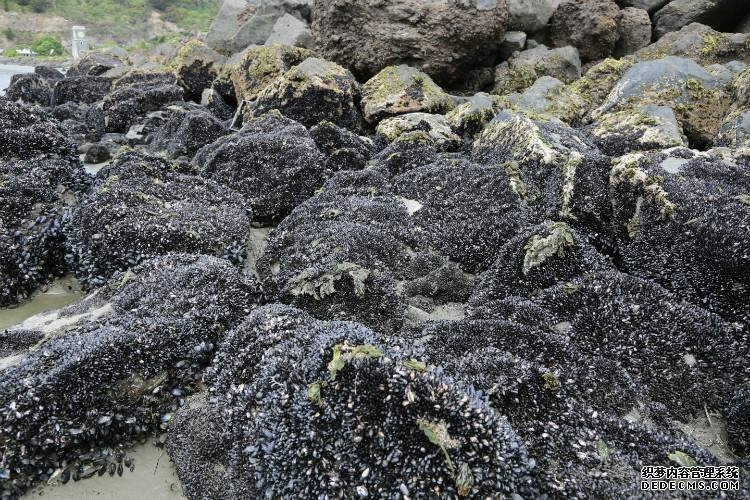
355, 399
35, 195
258, 67
273, 162
634, 31
664, 213
697, 97
139, 208
29, 88
81, 89
196, 67
531, 16
524, 68
722, 15
701, 43
186, 132
445, 39
28, 132
313, 91
588, 25
398, 90
113, 368
640, 128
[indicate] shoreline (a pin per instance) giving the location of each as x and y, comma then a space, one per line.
33, 62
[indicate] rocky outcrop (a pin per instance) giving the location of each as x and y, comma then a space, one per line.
588, 25
443, 39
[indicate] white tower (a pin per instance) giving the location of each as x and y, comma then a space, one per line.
80, 44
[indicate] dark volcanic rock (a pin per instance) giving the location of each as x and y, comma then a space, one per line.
26, 132
138, 208
29, 89
467, 211
588, 25
444, 39
196, 67
272, 161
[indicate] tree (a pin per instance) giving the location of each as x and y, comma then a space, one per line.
48, 46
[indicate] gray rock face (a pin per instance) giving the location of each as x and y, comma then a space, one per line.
588, 25
696, 96
241, 23
289, 30
722, 15
514, 41
444, 39
648, 5
647, 127
522, 70
701, 43
531, 15
634, 31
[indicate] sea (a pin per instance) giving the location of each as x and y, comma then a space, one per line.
8, 70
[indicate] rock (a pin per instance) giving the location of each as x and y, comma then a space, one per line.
399, 90
549, 99
721, 15
227, 21
132, 99
634, 31
187, 132
27, 133
339, 256
196, 67
213, 102
273, 162
696, 96
522, 70
538, 258
49, 74
96, 63
289, 30
258, 67
513, 42
664, 206
116, 366
444, 40
650, 6
557, 172
34, 196
81, 89
380, 371
467, 211
701, 43
97, 153
140, 208
419, 127
30, 88
642, 128
471, 117
345, 150
313, 91
588, 25
600, 79
531, 15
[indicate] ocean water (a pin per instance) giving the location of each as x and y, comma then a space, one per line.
8, 70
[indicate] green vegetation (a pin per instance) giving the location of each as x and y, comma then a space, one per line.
124, 21
48, 46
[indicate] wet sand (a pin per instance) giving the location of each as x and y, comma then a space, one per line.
153, 478
60, 293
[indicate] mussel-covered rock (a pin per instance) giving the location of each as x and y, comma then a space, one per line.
35, 195
313, 91
258, 67
196, 67
139, 208
81, 89
186, 132
28, 132
30, 88
340, 411
665, 213
113, 368
467, 211
339, 256
273, 162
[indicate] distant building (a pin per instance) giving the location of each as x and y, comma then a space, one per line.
26, 52
80, 44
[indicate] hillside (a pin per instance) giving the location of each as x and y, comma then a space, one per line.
108, 21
